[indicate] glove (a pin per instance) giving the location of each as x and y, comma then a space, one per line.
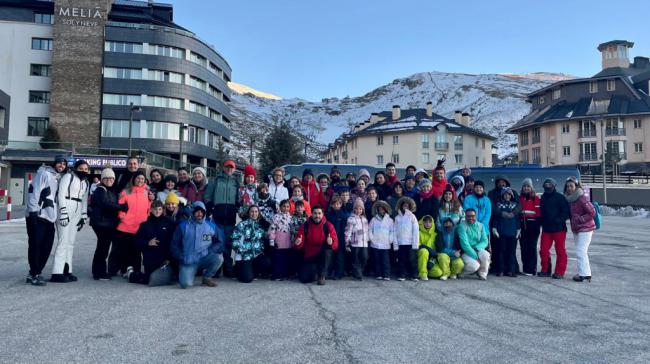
80, 224
124, 207
495, 233
348, 249
64, 220
271, 243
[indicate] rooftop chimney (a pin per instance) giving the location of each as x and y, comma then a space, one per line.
458, 117
397, 112
641, 62
429, 109
374, 117
465, 119
614, 53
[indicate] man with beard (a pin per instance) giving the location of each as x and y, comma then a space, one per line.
73, 205
132, 166
42, 209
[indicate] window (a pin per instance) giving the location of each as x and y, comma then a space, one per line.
523, 138
556, 94
458, 142
215, 93
523, 156
425, 141
198, 83
542, 100
160, 130
166, 76
598, 107
380, 160
42, 44
611, 85
44, 70
190, 134
216, 116
637, 124
638, 147
565, 129
593, 87
395, 139
123, 47
37, 126
476, 162
168, 102
425, 158
537, 135
123, 73
380, 140
115, 99
120, 128
476, 144
198, 59
588, 152
216, 70
198, 108
41, 18
484, 162
588, 129
39, 97
166, 51
458, 158
395, 158
483, 144
566, 151
537, 155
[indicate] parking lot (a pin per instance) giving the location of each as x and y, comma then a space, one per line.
504, 320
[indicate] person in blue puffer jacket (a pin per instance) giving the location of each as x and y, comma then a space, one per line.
197, 245
480, 203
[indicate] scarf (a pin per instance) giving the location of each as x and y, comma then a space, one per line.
426, 195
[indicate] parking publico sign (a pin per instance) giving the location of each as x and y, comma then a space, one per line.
101, 162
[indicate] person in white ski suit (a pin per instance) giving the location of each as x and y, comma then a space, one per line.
73, 215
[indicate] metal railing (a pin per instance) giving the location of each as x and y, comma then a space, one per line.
587, 133
588, 157
615, 179
441, 146
615, 132
458, 146
28, 145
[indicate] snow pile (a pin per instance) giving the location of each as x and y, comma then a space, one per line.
13, 221
627, 211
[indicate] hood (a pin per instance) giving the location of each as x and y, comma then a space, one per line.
424, 230
406, 200
501, 178
383, 204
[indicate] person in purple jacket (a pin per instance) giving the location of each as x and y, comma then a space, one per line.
582, 225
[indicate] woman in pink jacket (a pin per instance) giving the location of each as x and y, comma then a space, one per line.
582, 225
137, 197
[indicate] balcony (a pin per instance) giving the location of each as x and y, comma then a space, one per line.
441, 146
586, 133
615, 132
615, 156
588, 157
458, 146
536, 140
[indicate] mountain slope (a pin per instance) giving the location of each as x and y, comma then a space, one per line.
494, 102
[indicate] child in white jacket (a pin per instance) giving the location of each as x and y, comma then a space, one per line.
407, 238
381, 232
356, 238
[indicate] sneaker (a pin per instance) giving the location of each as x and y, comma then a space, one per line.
453, 276
210, 282
321, 281
29, 279
528, 274
128, 272
59, 278
401, 279
483, 278
543, 274
379, 278
387, 278
557, 276
443, 278
71, 277
423, 277
37, 280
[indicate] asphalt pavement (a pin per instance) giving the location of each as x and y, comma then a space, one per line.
502, 320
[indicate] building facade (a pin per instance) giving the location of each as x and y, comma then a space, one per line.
412, 137
78, 65
578, 122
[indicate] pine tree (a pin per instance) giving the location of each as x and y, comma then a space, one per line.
281, 147
51, 138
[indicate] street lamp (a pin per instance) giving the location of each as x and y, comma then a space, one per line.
132, 109
602, 147
180, 149
251, 155
306, 145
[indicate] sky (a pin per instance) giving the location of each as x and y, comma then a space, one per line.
336, 48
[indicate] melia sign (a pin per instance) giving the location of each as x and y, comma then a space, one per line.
79, 16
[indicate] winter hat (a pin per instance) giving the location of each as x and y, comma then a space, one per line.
323, 175
424, 182
421, 170
249, 171
479, 183
307, 171
335, 169
61, 158
507, 190
108, 173
359, 203
170, 177
364, 172
467, 169
80, 162
551, 181
449, 188
137, 174
172, 198
408, 177
527, 182
200, 169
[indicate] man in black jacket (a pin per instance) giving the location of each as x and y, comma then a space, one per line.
555, 212
132, 167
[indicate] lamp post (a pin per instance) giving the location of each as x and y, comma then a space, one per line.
306, 145
132, 109
602, 147
180, 149
251, 152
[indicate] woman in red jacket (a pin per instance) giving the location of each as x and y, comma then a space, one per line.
317, 238
138, 199
529, 227
311, 192
582, 225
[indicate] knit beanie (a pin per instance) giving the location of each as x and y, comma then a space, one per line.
200, 169
307, 172
364, 172
359, 203
479, 183
171, 177
172, 198
249, 171
108, 173
424, 182
551, 181
527, 182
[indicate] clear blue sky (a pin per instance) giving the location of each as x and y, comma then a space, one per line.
315, 49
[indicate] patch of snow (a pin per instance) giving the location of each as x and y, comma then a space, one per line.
627, 211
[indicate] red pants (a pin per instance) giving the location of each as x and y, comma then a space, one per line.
560, 251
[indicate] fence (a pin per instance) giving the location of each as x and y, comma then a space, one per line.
615, 179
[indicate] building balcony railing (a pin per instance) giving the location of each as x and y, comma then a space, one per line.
441, 146
536, 140
615, 132
537, 161
588, 157
587, 133
615, 156
458, 146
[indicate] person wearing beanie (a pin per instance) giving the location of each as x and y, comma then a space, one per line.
505, 229
439, 179
465, 172
364, 175
450, 208
410, 171
356, 239
169, 183
196, 187
583, 224
555, 211
426, 201
176, 209
529, 222
72, 195
41, 216
481, 204
247, 192
410, 188
311, 192
103, 220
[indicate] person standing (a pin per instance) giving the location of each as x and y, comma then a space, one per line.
555, 211
248, 245
381, 232
439, 181
407, 238
473, 242
280, 239
317, 238
42, 210
356, 239
481, 205
338, 217
73, 215
124, 178
530, 227
277, 189
138, 199
198, 185
222, 204
582, 225
169, 186
156, 183
103, 220
391, 174
506, 230
311, 191
450, 208
426, 201
383, 189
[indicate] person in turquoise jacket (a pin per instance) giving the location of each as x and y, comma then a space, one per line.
481, 204
474, 242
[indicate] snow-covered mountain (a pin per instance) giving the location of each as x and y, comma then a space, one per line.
494, 101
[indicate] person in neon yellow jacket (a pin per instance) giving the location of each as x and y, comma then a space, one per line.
426, 253
474, 242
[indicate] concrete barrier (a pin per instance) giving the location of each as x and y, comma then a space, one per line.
622, 195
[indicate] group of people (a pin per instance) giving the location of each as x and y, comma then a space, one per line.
314, 228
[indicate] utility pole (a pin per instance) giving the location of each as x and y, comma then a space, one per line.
306, 145
602, 146
251, 155
132, 109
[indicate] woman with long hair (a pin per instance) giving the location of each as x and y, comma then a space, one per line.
582, 225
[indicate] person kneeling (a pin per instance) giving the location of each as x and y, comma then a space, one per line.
473, 241
317, 238
449, 264
198, 245
153, 239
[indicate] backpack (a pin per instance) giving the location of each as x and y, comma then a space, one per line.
597, 216
325, 229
